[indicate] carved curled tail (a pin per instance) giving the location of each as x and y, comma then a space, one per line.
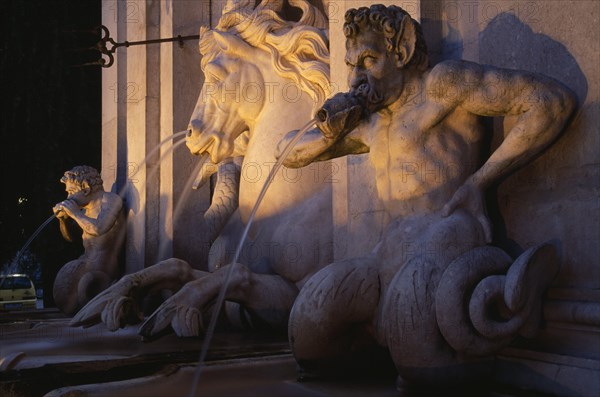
483, 301
225, 198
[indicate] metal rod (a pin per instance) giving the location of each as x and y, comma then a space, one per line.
105, 41
179, 38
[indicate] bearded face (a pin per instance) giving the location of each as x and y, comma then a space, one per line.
373, 71
77, 193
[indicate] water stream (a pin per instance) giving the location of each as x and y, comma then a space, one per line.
221, 298
153, 172
178, 208
157, 148
15, 262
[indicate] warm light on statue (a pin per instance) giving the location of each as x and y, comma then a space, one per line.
422, 305
99, 215
370, 254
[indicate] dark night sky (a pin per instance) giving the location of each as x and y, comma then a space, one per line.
51, 118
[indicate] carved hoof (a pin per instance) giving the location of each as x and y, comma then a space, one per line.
120, 312
185, 321
113, 307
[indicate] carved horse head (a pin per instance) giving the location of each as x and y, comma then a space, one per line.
247, 45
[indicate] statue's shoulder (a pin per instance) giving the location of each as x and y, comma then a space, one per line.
112, 199
451, 80
453, 71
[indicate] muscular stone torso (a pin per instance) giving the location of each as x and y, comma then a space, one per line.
419, 169
101, 251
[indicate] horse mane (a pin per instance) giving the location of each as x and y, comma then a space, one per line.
299, 50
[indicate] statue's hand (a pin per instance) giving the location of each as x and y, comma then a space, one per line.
341, 123
70, 207
470, 197
58, 211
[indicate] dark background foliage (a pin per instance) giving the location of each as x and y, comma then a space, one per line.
51, 120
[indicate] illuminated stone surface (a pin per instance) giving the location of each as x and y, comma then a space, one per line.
552, 197
264, 76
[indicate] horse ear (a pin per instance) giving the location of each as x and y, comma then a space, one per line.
406, 43
230, 43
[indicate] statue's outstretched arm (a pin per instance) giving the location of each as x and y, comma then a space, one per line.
337, 133
312, 145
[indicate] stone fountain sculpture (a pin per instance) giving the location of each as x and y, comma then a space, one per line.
433, 292
98, 214
280, 70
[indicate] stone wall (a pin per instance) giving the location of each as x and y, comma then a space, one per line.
149, 94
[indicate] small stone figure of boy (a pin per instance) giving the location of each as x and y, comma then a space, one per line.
99, 215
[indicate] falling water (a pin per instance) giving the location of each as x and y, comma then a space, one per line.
33, 236
153, 172
161, 144
149, 156
187, 189
217, 308
15, 262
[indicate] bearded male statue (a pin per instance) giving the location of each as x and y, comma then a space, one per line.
100, 219
433, 291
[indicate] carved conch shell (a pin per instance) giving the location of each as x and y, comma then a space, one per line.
340, 114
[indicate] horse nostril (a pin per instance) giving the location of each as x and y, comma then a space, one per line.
189, 133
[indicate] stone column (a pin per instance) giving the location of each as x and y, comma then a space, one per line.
182, 208
124, 126
149, 94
